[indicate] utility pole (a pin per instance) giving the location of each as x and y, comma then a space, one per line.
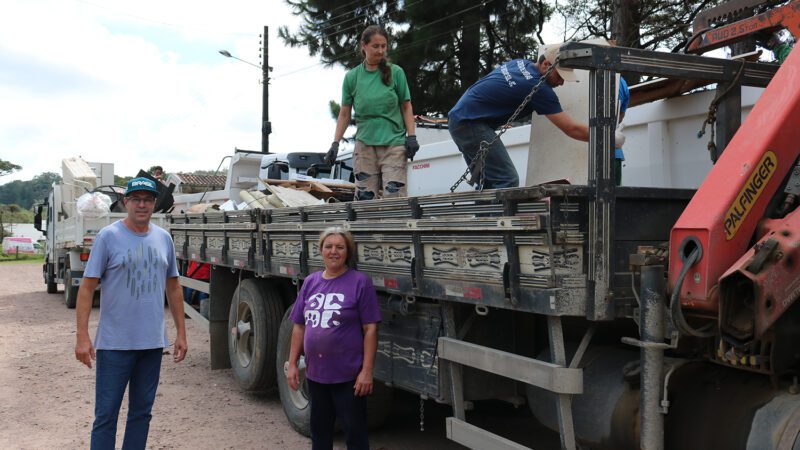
266, 127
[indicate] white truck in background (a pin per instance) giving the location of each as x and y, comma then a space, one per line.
70, 234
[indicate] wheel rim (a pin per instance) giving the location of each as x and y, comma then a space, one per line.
243, 334
299, 398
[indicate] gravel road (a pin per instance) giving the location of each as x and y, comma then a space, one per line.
47, 397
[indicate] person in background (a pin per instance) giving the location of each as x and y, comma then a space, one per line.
336, 318
378, 92
489, 103
196, 271
157, 172
135, 260
619, 156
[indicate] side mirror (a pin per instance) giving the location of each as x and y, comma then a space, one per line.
37, 219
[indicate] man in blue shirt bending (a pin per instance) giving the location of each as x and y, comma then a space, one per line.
135, 261
490, 102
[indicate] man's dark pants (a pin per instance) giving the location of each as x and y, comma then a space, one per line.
499, 171
116, 369
337, 401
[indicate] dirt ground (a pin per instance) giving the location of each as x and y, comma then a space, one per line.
47, 397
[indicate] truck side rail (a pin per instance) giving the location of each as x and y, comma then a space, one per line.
522, 248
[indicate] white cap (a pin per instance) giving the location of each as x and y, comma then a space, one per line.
550, 54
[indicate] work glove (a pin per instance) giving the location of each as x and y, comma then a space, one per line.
412, 146
619, 138
330, 157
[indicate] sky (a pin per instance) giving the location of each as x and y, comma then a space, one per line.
142, 83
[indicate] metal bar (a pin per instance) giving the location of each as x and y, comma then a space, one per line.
563, 402
587, 337
602, 118
551, 376
668, 65
456, 373
197, 285
201, 321
473, 437
652, 332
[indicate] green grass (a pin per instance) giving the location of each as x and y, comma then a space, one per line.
23, 259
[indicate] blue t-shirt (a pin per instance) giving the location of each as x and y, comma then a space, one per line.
333, 312
624, 99
495, 97
133, 269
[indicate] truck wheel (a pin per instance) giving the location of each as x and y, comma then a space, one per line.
253, 322
379, 404
49, 277
295, 403
70, 291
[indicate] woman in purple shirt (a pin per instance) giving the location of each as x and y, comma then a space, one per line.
336, 318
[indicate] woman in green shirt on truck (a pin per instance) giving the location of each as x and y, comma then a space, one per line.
378, 91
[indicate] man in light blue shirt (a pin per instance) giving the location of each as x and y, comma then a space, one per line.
134, 261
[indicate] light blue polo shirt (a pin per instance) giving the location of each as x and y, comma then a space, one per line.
133, 269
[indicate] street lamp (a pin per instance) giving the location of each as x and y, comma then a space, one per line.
266, 126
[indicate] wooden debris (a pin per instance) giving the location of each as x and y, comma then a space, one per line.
293, 197
318, 188
201, 208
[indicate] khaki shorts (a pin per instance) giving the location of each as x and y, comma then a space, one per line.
380, 171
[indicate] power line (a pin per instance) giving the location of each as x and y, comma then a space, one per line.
423, 26
401, 47
354, 18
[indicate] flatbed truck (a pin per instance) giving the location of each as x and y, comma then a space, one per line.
553, 295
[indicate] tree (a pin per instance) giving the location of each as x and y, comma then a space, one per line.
121, 181
656, 24
444, 47
26, 193
7, 167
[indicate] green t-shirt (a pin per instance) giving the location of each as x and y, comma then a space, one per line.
377, 106
782, 52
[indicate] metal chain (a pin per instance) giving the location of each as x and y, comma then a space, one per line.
711, 118
475, 168
421, 413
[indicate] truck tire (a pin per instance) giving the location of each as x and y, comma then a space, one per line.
253, 322
49, 278
70, 291
296, 404
379, 404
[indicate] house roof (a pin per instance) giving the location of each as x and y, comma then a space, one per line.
201, 180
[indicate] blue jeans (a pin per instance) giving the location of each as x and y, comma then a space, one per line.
499, 171
116, 369
189, 292
332, 401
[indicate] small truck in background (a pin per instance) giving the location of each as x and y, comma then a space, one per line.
68, 233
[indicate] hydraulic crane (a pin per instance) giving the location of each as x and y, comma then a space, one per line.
735, 249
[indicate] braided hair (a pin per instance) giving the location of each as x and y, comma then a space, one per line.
383, 65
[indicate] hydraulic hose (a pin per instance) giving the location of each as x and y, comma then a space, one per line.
675, 304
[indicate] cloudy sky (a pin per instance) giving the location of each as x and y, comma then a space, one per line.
142, 83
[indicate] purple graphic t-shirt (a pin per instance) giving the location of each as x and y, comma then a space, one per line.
333, 312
